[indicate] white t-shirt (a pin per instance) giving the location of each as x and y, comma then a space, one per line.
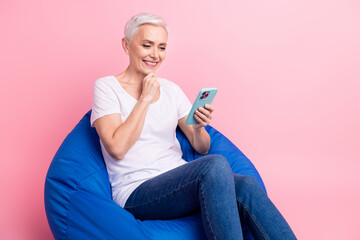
157, 150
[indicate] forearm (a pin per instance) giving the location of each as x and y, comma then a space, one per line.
201, 140
128, 133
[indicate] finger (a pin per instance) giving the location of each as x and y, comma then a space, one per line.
155, 79
209, 107
152, 80
202, 116
200, 121
150, 74
205, 112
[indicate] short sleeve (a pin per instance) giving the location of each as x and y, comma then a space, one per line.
184, 105
104, 101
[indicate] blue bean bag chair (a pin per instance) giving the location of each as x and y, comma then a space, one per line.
78, 200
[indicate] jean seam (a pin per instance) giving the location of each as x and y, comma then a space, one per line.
254, 219
206, 215
175, 190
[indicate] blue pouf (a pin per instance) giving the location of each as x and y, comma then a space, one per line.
78, 200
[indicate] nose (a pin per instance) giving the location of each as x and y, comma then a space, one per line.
155, 53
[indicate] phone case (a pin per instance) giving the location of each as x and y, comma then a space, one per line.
206, 96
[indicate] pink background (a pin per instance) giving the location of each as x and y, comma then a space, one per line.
289, 95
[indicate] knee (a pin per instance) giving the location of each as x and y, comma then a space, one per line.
218, 166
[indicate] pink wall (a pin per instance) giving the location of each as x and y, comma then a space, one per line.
289, 95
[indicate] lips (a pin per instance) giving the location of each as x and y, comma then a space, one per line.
150, 63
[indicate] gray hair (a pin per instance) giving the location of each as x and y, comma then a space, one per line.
134, 23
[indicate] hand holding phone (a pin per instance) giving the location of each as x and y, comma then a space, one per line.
205, 96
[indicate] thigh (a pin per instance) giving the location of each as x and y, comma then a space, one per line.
172, 194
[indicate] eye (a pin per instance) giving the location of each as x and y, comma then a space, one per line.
162, 48
146, 46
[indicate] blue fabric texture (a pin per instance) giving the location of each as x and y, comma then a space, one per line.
78, 200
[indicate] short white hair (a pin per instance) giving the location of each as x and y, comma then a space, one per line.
134, 23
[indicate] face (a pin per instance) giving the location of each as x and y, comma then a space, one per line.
147, 49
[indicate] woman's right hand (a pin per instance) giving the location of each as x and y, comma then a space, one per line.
150, 88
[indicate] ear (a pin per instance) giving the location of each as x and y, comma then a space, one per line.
125, 45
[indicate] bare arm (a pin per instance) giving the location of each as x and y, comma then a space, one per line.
117, 136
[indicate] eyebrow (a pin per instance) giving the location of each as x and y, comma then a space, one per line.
147, 40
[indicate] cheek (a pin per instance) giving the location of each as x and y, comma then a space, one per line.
140, 53
163, 55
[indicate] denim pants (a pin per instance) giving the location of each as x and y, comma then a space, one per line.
225, 200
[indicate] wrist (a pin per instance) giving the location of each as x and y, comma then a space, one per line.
199, 132
144, 101
197, 129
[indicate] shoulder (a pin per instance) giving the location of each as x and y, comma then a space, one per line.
107, 80
105, 83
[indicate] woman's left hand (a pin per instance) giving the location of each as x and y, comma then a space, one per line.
203, 116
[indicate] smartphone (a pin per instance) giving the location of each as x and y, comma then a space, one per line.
206, 96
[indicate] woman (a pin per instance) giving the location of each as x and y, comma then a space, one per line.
135, 114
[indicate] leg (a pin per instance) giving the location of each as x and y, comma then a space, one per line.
258, 212
206, 183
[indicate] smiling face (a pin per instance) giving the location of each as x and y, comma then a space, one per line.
147, 49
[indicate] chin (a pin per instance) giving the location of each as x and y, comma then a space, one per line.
147, 71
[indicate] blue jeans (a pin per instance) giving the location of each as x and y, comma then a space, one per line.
225, 199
